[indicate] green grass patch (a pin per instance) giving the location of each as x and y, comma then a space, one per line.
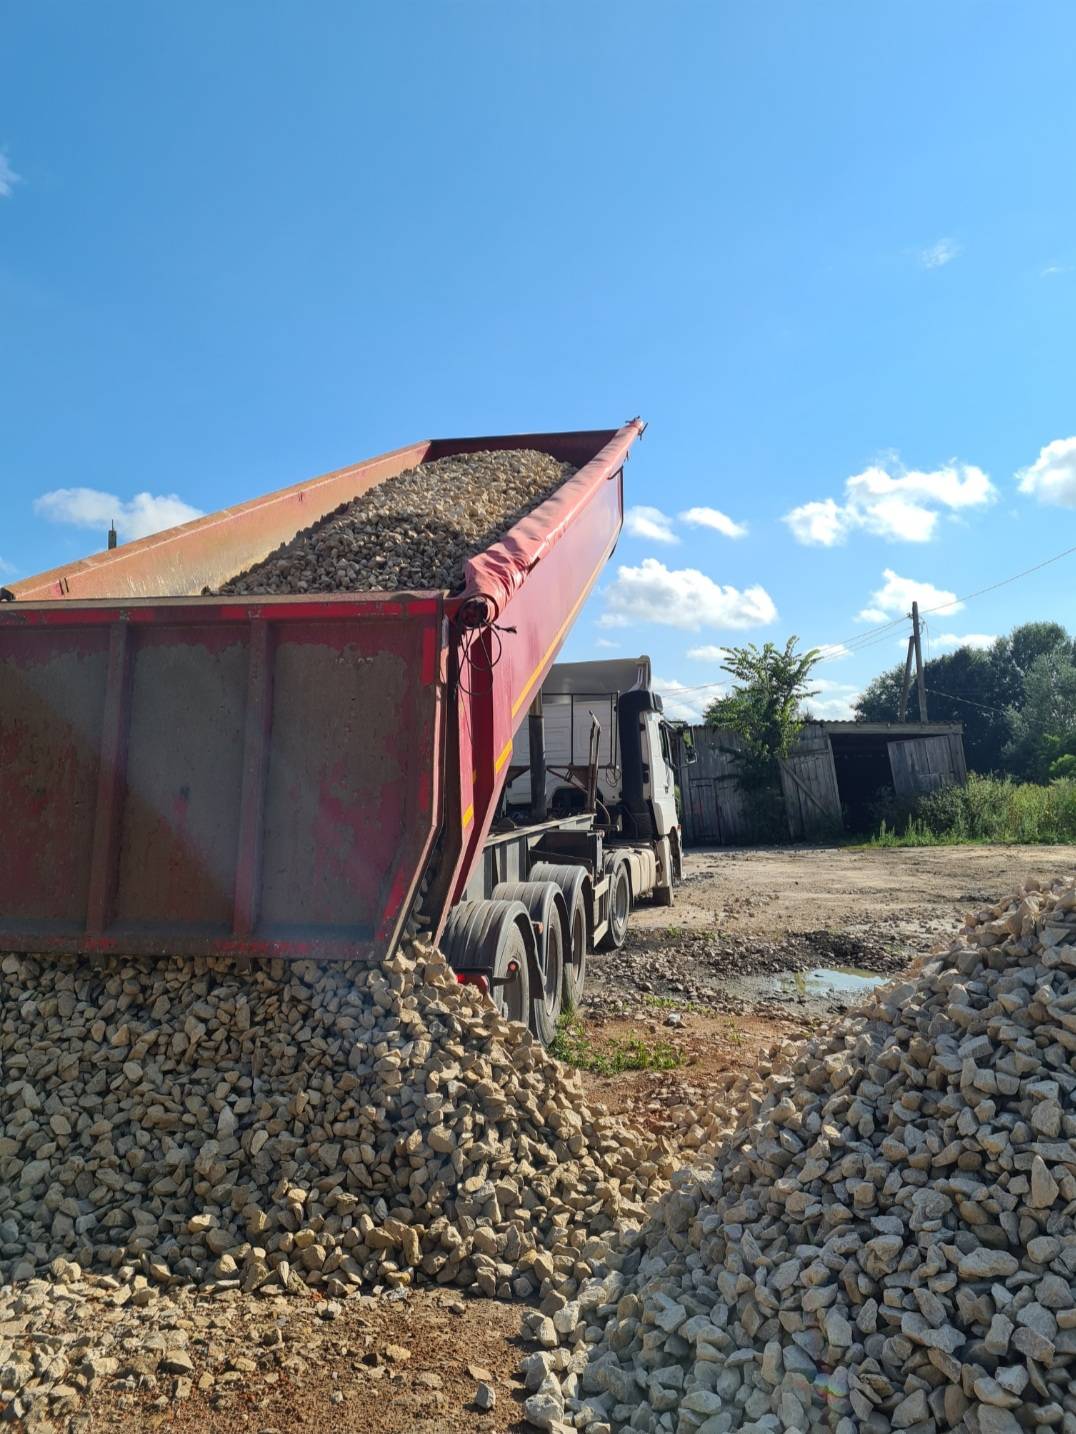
671, 1003
576, 1046
987, 809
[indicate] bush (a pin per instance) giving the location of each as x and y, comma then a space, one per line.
987, 809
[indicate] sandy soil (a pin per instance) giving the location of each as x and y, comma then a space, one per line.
348, 1374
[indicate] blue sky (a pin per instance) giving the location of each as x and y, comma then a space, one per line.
827, 251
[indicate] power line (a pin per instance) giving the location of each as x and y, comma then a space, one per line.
986, 707
853, 645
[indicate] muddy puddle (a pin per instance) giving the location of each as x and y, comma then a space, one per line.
839, 985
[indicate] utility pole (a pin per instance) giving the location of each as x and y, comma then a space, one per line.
920, 680
906, 684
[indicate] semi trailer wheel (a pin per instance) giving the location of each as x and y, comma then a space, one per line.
575, 886
494, 941
547, 911
616, 869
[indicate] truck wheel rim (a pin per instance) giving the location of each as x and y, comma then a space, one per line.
551, 976
620, 902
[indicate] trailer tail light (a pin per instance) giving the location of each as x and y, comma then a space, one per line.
473, 978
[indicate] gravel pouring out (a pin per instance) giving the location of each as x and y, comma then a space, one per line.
413, 531
315, 1125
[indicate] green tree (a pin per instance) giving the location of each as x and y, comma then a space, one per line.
764, 709
979, 689
1043, 726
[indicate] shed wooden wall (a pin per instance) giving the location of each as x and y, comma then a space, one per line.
717, 812
927, 763
716, 809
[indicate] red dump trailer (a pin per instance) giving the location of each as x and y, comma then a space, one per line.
311, 776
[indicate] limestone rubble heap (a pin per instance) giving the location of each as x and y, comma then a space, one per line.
311, 1124
891, 1244
412, 531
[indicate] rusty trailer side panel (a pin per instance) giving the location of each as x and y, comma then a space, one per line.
220, 778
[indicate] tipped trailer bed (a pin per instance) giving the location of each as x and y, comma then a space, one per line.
308, 776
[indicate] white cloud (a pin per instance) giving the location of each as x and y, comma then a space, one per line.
826, 684
821, 523
936, 255
643, 522
833, 709
834, 700
715, 519
682, 597
709, 652
1052, 476
896, 595
8, 177
903, 506
1051, 271
683, 704
831, 651
137, 517
604, 642
950, 641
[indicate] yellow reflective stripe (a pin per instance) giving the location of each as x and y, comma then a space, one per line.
468, 817
499, 763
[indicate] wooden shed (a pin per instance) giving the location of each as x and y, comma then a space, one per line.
831, 781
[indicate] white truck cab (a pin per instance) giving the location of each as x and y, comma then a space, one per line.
602, 723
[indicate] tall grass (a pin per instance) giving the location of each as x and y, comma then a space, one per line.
987, 809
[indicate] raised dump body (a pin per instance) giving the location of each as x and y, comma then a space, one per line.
276, 776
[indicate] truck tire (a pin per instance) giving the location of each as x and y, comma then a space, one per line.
576, 888
546, 909
494, 939
616, 869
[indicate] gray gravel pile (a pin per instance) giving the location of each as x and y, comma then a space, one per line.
890, 1244
413, 531
313, 1125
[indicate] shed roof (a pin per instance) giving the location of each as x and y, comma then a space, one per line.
892, 729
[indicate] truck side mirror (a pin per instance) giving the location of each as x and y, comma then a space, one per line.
690, 754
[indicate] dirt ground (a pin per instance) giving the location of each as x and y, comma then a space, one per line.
390, 1364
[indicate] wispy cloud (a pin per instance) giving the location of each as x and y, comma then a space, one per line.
136, 517
604, 642
7, 570
902, 505
896, 595
714, 518
708, 652
643, 522
8, 177
937, 255
652, 523
834, 700
1052, 476
1051, 271
681, 703
682, 597
950, 641
831, 651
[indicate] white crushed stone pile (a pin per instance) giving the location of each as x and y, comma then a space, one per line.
891, 1243
413, 531
311, 1124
